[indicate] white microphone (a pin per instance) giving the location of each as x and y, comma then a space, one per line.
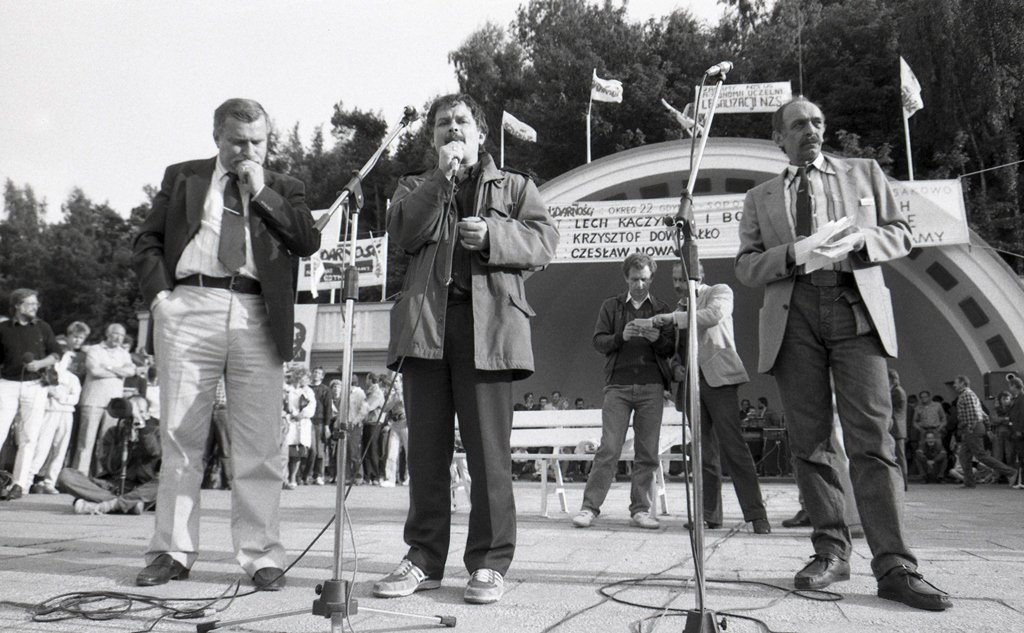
721, 68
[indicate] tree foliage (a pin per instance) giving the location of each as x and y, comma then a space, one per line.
843, 54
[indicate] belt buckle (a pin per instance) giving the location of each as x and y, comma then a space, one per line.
231, 282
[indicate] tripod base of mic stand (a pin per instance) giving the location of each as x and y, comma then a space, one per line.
334, 603
701, 622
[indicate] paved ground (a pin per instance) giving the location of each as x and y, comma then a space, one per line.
971, 543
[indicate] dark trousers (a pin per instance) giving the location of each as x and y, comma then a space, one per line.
217, 456
718, 421
822, 338
973, 445
98, 490
436, 391
372, 468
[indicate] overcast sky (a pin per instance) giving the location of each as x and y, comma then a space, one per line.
103, 94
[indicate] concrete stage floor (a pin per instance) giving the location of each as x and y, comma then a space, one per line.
969, 542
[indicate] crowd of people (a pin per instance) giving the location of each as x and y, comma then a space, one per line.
213, 260
65, 421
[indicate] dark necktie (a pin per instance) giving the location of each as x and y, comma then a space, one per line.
803, 204
231, 251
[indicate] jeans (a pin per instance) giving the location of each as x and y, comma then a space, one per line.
646, 404
822, 339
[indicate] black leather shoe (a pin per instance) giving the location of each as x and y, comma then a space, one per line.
800, 519
762, 526
268, 579
822, 571
909, 587
160, 571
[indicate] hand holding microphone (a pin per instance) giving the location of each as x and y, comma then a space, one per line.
449, 156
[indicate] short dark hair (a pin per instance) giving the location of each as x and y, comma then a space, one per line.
452, 100
78, 328
20, 295
763, 400
638, 261
779, 115
245, 110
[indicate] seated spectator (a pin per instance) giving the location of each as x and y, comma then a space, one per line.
527, 404
580, 404
136, 492
930, 459
558, 402
545, 404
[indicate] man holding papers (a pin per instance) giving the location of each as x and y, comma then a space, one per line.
814, 237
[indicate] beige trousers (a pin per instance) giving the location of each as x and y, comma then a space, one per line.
199, 335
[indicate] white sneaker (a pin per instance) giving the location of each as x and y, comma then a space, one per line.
583, 519
645, 520
485, 586
406, 580
387, 483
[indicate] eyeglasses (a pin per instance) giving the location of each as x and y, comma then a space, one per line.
30, 304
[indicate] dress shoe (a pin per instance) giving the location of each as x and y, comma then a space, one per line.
822, 571
800, 519
909, 587
761, 526
160, 571
268, 579
14, 492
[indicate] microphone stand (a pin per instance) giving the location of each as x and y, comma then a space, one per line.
701, 620
334, 596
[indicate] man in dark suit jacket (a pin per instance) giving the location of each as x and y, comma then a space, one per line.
826, 332
214, 260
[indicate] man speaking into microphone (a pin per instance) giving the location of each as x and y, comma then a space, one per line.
460, 334
214, 260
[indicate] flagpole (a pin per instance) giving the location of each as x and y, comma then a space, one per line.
589, 105
384, 259
502, 165
906, 134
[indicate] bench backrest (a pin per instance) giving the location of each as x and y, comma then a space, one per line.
580, 430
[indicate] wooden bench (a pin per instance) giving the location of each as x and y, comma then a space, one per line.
573, 436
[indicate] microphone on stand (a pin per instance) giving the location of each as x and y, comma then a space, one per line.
721, 68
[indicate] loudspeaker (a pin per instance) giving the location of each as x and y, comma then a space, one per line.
995, 381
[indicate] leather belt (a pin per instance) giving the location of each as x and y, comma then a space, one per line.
828, 278
235, 283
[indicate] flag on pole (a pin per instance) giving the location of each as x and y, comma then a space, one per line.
517, 128
910, 89
605, 89
684, 118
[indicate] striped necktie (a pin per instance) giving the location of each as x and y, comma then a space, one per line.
231, 251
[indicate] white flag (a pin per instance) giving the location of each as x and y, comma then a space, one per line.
317, 269
684, 118
605, 89
910, 89
517, 128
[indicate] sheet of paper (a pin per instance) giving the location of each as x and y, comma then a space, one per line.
806, 251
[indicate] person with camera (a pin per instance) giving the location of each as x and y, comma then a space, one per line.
132, 454
27, 348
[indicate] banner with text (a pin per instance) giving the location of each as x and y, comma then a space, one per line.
371, 262
745, 98
611, 230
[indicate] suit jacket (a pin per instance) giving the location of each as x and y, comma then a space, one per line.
716, 343
766, 233
280, 224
